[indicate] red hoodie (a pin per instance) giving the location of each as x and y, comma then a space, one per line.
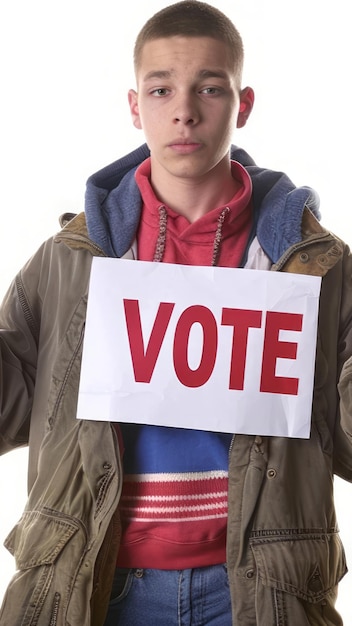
174, 499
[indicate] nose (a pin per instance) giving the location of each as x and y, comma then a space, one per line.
186, 111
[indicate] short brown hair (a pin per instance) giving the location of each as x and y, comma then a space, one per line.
192, 18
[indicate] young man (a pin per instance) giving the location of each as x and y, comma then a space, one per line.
130, 524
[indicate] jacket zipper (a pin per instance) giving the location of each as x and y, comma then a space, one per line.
231, 446
27, 313
55, 611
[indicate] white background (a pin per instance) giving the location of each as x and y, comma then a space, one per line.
65, 70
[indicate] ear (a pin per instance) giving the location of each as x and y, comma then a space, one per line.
133, 102
246, 106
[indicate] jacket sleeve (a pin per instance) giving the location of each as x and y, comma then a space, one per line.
345, 390
19, 324
343, 435
343, 430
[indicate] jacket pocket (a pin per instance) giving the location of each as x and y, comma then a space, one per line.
37, 591
307, 565
39, 537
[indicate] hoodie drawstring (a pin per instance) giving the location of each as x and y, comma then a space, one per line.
161, 241
218, 235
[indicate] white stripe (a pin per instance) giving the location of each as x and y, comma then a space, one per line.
184, 477
197, 496
178, 519
170, 509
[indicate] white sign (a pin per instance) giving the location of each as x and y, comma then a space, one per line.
220, 349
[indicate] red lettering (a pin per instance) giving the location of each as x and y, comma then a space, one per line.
199, 376
144, 361
241, 320
275, 349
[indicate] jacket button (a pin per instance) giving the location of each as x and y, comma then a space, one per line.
271, 473
250, 573
322, 259
304, 257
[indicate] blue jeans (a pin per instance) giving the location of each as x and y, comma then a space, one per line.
150, 597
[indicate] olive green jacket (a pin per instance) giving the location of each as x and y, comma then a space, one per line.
283, 549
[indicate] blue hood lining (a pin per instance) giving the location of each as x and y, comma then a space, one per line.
113, 205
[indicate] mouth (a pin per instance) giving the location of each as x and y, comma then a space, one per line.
184, 146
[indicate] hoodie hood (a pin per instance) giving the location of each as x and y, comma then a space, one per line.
113, 205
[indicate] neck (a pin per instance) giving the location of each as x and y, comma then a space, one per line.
193, 198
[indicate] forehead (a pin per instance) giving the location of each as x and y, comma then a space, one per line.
179, 54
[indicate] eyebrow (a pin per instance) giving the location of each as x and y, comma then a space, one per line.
165, 74
158, 74
215, 73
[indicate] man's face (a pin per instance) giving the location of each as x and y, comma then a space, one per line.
187, 105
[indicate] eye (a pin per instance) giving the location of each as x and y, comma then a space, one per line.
211, 91
160, 92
